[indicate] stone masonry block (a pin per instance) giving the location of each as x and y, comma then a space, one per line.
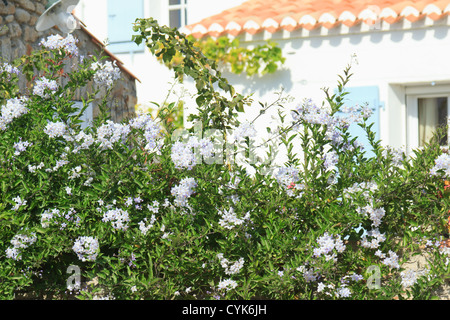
8, 9
27, 4
22, 15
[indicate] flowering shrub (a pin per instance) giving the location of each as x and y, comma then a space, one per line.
153, 215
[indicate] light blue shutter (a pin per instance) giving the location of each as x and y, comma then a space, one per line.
365, 95
87, 117
121, 16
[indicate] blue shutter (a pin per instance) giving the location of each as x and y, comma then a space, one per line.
365, 95
87, 117
121, 16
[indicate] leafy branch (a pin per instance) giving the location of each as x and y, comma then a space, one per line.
259, 60
215, 110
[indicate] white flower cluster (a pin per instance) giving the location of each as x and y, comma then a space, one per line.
309, 274
84, 140
229, 219
152, 130
398, 155
330, 290
409, 278
118, 218
227, 284
286, 175
42, 86
19, 242
334, 134
110, 133
330, 160
343, 292
129, 201
86, 248
154, 207
353, 277
21, 146
374, 214
328, 246
366, 189
311, 113
391, 260
19, 202
9, 69
442, 162
68, 44
184, 155
357, 113
33, 168
47, 216
230, 267
165, 234
377, 238
59, 163
106, 73
55, 129
144, 227
245, 129
13, 109
183, 191
323, 288
75, 173
59, 217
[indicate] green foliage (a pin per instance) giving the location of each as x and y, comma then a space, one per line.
215, 110
268, 232
257, 60
260, 59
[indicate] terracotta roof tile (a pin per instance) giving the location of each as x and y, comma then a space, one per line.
254, 16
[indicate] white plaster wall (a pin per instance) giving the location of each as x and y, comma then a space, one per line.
391, 58
93, 13
155, 79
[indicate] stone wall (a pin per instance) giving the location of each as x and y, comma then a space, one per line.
18, 37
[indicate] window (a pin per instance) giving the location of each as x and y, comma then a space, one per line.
121, 16
177, 13
432, 114
427, 112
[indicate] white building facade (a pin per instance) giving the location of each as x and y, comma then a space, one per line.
111, 21
400, 54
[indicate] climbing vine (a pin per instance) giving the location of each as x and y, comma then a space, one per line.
261, 59
229, 53
215, 110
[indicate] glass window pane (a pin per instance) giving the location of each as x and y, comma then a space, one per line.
172, 2
175, 18
432, 116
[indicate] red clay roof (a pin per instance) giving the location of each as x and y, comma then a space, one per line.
254, 16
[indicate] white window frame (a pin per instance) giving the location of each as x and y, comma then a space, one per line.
183, 7
413, 94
